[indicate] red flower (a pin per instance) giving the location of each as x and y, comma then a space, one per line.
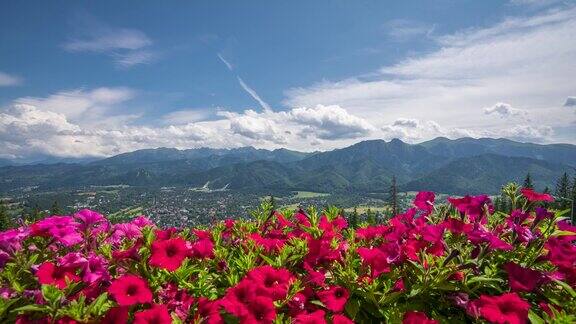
314, 277
334, 298
129, 290
157, 314
203, 249
202, 235
271, 282
297, 305
425, 201
238, 297
399, 285
262, 310
311, 318
379, 258
168, 254
129, 253
457, 226
49, 274
116, 315
414, 317
534, 196
473, 206
547, 308
523, 279
504, 309
541, 214
208, 311
165, 234
269, 244
341, 319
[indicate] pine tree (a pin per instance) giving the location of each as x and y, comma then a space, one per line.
272, 202
562, 192
573, 202
546, 191
5, 221
371, 217
528, 182
55, 209
354, 218
393, 196
35, 213
498, 204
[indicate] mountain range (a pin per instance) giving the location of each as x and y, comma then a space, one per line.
464, 165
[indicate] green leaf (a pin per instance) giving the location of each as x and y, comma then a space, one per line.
317, 302
352, 307
534, 318
31, 308
567, 288
562, 233
52, 294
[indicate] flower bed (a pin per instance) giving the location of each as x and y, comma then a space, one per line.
454, 262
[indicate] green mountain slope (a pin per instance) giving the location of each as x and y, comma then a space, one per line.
486, 173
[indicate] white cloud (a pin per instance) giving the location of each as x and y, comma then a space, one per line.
570, 102
406, 122
525, 60
187, 116
7, 80
254, 95
330, 122
26, 130
109, 39
229, 66
534, 3
256, 126
529, 133
127, 47
403, 29
132, 58
79, 105
431, 129
504, 110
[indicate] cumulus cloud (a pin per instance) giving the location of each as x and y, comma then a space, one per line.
319, 122
406, 122
65, 124
529, 133
570, 102
330, 122
80, 104
255, 126
414, 130
419, 131
7, 80
27, 130
504, 110
127, 47
527, 60
187, 116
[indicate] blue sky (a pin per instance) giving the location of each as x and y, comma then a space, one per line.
103, 77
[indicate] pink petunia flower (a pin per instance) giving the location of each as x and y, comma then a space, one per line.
129, 290
415, 317
508, 308
534, 196
334, 298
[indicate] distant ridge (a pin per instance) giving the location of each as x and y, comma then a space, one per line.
464, 165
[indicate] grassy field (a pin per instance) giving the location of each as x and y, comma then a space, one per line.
364, 209
309, 194
127, 212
